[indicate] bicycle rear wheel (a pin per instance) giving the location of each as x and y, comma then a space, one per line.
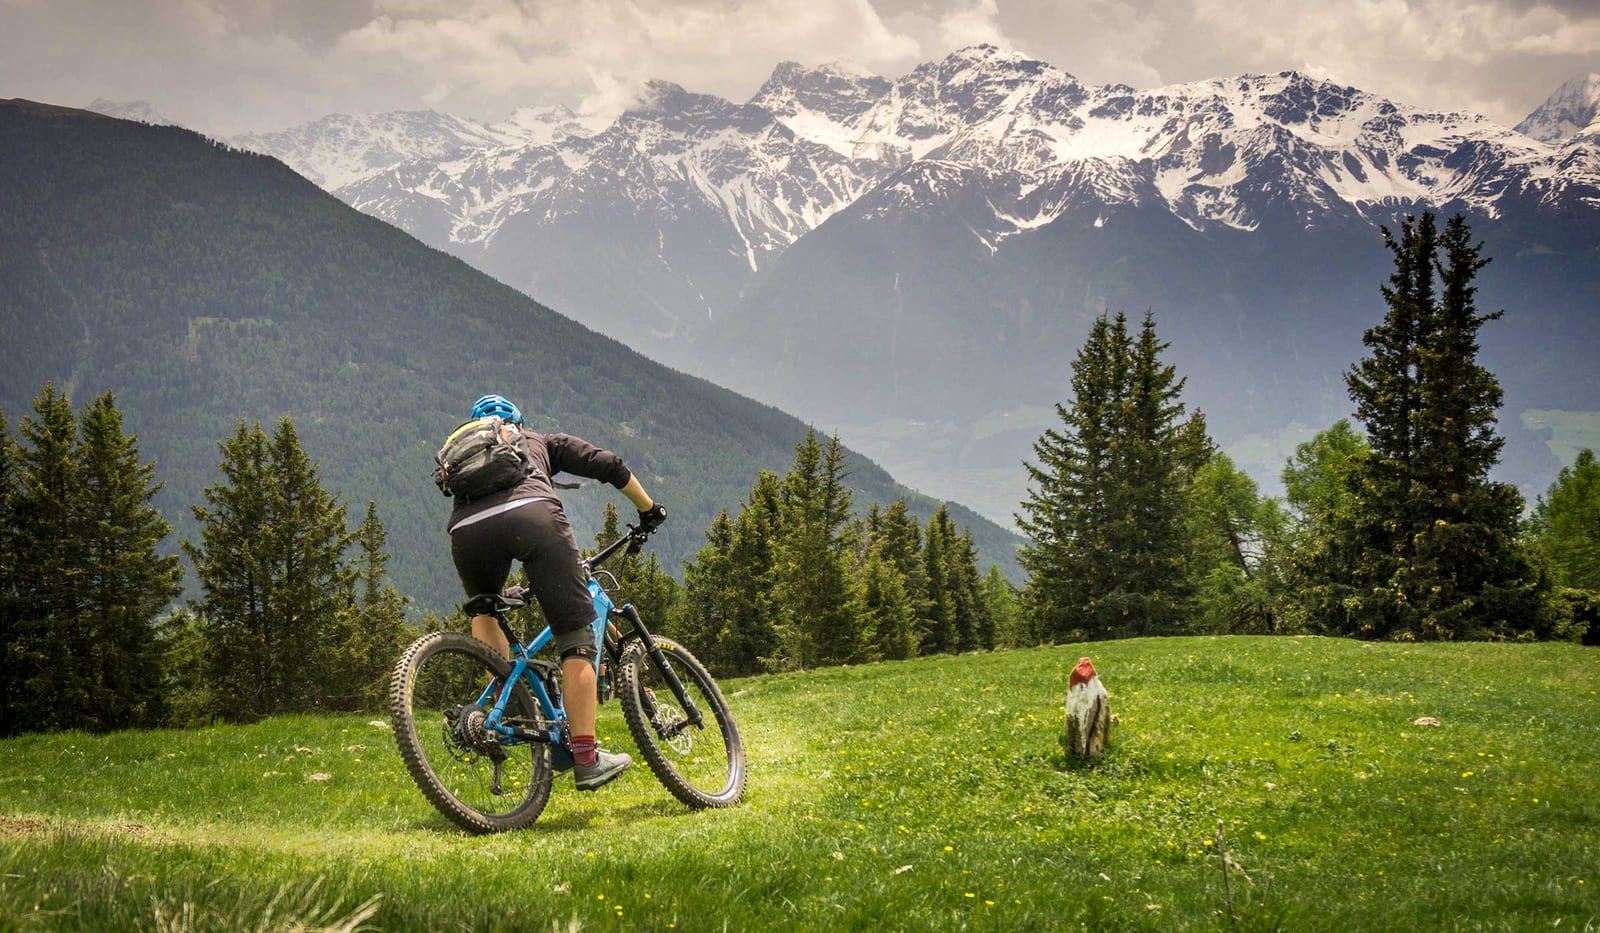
702, 765
465, 771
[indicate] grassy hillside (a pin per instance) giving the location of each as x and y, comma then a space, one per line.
923, 795
204, 285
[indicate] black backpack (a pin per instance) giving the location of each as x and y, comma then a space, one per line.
481, 456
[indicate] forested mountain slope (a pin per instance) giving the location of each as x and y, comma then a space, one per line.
204, 284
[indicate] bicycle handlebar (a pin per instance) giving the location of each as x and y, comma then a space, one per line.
633, 540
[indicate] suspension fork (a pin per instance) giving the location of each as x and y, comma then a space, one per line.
659, 659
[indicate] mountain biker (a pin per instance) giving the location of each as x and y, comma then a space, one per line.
526, 523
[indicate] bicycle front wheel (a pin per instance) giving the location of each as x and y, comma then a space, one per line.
701, 763
465, 770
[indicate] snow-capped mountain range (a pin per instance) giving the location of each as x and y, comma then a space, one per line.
914, 260
811, 141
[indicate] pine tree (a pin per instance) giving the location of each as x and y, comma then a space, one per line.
887, 611
1432, 551
962, 619
53, 633
316, 583
728, 614
1065, 509
892, 537
273, 575
377, 633
754, 642
1010, 625
128, 582
703, 620
1105, 509
815, 591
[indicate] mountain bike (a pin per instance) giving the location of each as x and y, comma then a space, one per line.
484, 737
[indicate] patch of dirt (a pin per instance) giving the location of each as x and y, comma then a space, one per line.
21, 825
35, 826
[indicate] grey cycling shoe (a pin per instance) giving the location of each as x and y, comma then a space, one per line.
607, 767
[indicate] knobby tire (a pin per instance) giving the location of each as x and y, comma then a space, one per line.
444, 671
702, 766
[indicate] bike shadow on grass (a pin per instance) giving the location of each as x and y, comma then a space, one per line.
570, 819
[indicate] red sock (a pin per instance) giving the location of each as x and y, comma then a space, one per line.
583, 750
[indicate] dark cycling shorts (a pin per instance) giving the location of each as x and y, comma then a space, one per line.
537, 534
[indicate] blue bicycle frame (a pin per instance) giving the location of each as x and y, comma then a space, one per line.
497, 694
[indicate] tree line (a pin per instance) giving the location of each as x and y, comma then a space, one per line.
1135, 523
296, 614
798, 579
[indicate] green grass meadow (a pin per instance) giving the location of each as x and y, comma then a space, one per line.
1251, 784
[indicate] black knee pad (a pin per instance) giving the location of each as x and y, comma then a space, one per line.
577, 644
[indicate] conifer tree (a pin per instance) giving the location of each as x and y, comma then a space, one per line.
754, 640
815, 590
729, 613
1105, 510
887, 611
939, 634
897, 533
703, 620
1432, 552
53, 631
1010, 626
127, 581
376, 630
272, 570
892, 544
962, 616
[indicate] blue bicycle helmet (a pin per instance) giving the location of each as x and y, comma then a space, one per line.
496, 406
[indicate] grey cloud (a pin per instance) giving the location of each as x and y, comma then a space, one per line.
235, 65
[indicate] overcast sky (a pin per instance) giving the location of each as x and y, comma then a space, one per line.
230, 66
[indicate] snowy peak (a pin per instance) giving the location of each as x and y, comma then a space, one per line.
139, 111
341, 149
1573, 110
548, 126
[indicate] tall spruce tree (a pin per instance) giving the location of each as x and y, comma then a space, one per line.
888, 613
818, 596
53, 631
893, 538
1432, 549
938, 635
84, 581
127, 580
374, 631
1105, 509
728, 614
703, 618
272, 572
